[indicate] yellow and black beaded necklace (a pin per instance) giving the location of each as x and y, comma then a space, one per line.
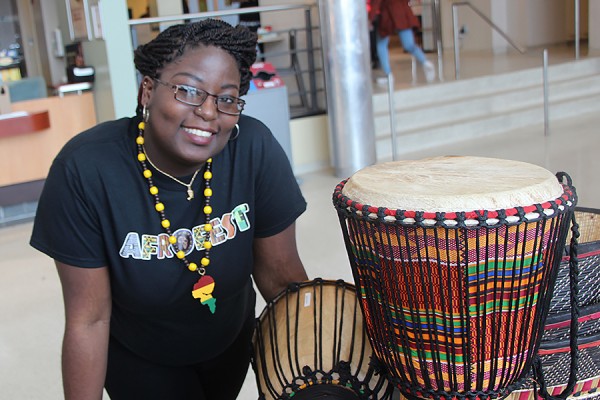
205, 286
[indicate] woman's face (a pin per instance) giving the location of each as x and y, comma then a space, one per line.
180, 137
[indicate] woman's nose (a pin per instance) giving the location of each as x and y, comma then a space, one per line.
208, 109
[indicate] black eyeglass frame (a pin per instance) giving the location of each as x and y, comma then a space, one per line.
239, 102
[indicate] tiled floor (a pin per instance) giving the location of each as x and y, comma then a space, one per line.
31, 313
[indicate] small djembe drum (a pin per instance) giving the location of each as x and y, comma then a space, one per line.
454, 259
555, 346
310, 343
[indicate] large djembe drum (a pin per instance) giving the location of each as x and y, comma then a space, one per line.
454, 259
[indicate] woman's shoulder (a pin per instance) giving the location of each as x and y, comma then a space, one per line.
100, 138
248, 122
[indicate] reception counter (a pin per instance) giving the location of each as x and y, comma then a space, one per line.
30, 140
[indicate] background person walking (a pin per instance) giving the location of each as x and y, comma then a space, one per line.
396, 16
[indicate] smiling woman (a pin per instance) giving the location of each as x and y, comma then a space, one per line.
158, 224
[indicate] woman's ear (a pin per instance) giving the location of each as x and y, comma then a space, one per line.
147, 86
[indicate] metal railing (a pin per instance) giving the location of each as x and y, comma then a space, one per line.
309, 97
456, 33
517, 46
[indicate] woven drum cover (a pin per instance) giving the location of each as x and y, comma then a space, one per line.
554, 348
454, 308
506, 299
589, 266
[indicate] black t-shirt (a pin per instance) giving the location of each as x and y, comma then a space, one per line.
96, 210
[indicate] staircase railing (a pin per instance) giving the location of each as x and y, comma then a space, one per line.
514, 44
485, 18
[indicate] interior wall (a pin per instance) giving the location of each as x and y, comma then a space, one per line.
29, 40
594, 28
499, 12
47, 17
531, 23
546, 22
478, 34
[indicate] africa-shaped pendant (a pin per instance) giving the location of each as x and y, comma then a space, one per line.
203, 290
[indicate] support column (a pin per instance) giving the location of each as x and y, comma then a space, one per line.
345, 38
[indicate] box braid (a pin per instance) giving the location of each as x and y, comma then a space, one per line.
172, 43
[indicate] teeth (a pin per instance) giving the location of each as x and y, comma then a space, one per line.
198, 132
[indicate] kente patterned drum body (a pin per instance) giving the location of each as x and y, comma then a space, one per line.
454, 259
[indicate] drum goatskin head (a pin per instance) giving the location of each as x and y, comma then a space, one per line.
451, 184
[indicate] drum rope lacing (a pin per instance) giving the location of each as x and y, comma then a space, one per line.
574, 325
346, 374
475, 218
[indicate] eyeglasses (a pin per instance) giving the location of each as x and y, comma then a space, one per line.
196, 97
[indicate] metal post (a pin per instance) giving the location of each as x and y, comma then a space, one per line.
392, 108
344, 31
545, 74
414, 69
456, 42
437, 29
311, 59
577, 28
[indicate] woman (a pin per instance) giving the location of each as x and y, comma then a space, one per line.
145, 318
396, 16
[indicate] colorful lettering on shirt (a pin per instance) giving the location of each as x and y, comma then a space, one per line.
228, 225
240, 217
164, 247
149, 246
131, 246
223, 229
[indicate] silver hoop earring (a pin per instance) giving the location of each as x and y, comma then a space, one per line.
145, 114
236, 134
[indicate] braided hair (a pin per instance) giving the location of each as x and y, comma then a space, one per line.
171, 44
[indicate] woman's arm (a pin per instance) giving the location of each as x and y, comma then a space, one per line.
87, 298
277, 263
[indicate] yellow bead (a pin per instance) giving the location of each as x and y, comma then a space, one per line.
147, 173
180, 254
139, 140
207, 209
192, 267
209, 160
141, 157
142, 125
207, 227
165, 223
205, 261
153, 190
207, 244
172, 239
207, 192
159, 207
207, 175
